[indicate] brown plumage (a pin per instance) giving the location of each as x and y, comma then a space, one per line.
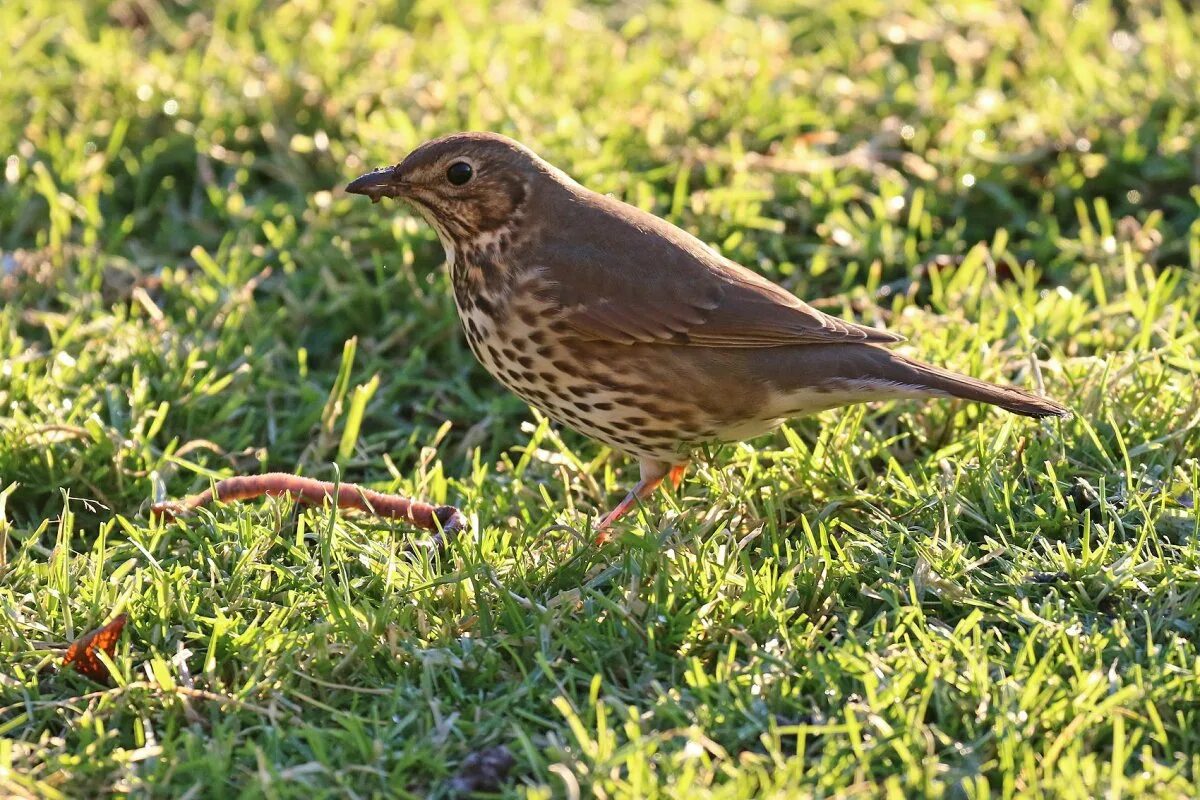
622, 326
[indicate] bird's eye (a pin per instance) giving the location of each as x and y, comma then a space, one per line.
459, 173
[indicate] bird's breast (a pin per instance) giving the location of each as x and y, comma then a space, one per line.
645, 400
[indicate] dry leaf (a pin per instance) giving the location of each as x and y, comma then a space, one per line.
483, 771
82, 653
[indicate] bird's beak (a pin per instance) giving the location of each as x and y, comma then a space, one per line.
377, 184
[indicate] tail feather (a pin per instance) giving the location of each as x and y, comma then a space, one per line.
941, 381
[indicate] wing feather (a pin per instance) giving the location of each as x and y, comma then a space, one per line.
622, 275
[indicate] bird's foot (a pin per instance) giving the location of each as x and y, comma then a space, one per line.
676, 475
653, 474
619, 511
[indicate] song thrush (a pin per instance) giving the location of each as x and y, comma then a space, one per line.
626, 328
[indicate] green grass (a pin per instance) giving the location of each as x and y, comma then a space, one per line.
898, 600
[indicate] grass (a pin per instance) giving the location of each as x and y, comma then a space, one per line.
897, 600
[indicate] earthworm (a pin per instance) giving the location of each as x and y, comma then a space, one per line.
438, 519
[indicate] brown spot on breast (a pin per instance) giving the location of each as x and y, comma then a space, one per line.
485, 305
493, 275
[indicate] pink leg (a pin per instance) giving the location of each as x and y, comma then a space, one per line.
653, 473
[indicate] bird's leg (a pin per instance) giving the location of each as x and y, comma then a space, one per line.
653, 473
644, 488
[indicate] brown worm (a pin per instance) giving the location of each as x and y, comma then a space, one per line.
438, 519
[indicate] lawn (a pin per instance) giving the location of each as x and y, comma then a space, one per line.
896, 600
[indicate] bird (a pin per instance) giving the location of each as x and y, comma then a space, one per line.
626, 328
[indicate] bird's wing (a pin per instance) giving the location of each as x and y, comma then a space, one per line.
629, 277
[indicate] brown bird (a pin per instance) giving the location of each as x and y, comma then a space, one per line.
622, 326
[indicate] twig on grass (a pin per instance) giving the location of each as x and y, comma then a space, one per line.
438, 519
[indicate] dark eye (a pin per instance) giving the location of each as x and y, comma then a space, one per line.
459, 173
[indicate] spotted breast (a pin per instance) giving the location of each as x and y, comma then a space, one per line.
618, 397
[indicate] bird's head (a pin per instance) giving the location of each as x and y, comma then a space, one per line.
471, 187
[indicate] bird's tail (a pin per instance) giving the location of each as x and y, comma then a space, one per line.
941, 381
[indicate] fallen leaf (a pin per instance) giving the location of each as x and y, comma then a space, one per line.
82, 653
483, 771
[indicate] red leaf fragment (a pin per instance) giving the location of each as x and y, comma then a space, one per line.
81, 655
